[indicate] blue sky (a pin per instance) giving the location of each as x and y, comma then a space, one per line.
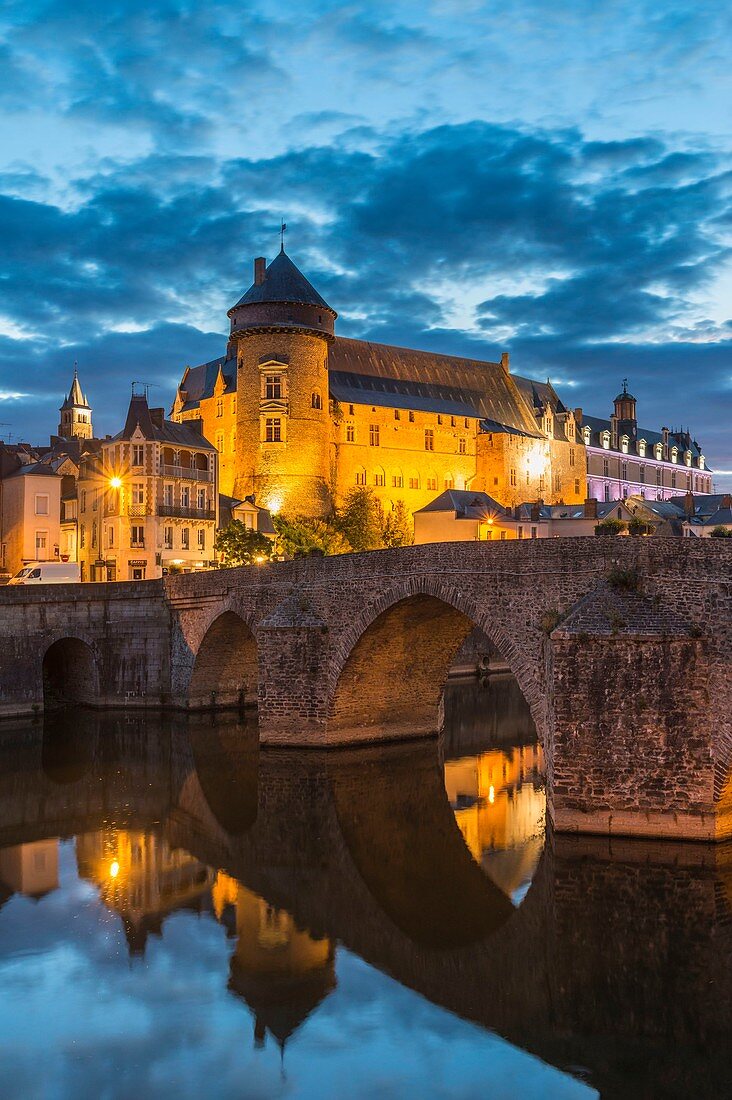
555, 180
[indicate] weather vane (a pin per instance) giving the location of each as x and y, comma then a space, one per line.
283, 230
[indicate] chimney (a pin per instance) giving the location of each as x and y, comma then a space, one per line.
578, 417
260, 267
590, 508
535, 511
505, 362
157, 416
726, 501
689, 505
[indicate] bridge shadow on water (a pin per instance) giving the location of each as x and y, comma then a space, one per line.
616, 964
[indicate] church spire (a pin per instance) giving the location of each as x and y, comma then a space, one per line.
76, 422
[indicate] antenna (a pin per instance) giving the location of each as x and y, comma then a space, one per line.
146, 386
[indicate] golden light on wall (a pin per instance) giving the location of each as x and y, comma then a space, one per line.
274, 505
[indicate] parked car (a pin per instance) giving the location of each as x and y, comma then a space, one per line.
48, 572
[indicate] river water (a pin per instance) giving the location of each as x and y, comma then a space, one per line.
182, 915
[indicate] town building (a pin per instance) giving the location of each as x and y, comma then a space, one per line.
457, 516
300, 417
689, 516
30, 505
625, 460
148, 499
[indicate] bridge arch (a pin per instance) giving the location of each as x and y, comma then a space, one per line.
390, 665
70, 674
226, 667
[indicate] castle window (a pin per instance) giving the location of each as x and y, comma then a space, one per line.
83, 500
576, 485
642, 448
467, 422
605, 467
350, 433
674, 454
411, 417
439, 419
94, 534
429, 439
414, 483
557, 483
658, 476
350, 410
512, 475
373, 435
461, 446
138, 454
431, 483
361, 476
586, 435
82, 536
449, 481
273, 429
452, 421
273, 387
316, 401
380, 478
571, 456
541, 483
397, 481
624, 444
397, 414
687, 458
658, 449
219, 407
220, 442
624, 470
673, 480
606, 440
607, 491
688, 481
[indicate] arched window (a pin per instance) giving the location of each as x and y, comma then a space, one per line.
449, 481
397, 480
316, 401
414, 480
360, 476
379, 477
431, 481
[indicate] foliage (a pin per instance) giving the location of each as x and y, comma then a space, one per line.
299, 536
360, 521
549, 620
721, 533
637, 526
610, 527
397, 527
238, 544
624, 580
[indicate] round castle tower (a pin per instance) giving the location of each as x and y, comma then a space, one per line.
281, 328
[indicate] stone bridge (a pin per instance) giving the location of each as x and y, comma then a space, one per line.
622, 648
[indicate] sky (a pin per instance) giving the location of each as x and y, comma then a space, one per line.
554, 180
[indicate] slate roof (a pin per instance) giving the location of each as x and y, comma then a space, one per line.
681, 440
182, 435
363, 372
465, 504
198, 382
34, 468
283, 282
705, 504
76, 397
571, 511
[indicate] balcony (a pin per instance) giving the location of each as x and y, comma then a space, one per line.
138, 510
135, 544
179, 512
187, 472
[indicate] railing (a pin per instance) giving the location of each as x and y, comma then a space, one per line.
138, 510
185, 513
137, 545
187, 472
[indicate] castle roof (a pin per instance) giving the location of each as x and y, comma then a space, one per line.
598, 426
283, 282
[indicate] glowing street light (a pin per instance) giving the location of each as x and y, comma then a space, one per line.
115, 482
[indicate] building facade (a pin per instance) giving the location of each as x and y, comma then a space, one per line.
625, 460
30, 509
148, 500
300, 417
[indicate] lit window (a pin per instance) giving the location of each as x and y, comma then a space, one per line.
642, 448
606, 440
273, 429
586, 435
373, 435
273, 387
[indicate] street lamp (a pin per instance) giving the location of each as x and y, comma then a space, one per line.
115, 482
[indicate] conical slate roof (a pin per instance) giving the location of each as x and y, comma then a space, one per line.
283, 282
76, 398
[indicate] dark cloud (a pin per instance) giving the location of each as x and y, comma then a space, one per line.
588, 256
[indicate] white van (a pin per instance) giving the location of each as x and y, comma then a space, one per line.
48, 572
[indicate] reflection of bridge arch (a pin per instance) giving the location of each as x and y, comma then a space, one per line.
389, 667
225, 670
404, 841
70, 673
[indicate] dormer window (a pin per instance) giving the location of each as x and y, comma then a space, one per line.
701, 462
642, 448
606, 440
624, 443
658, 449
687, 458
586, 435
674, 454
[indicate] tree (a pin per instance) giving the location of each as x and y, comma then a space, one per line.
360, 520
300, 535
721, 532
240, 545
398, 529
610, 526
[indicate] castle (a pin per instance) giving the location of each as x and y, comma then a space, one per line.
300, 416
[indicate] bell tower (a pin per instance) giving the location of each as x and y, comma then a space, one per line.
76, 420
281, 329
625, 407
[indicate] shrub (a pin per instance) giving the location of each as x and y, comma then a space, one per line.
624, 580
720, 532
609, 527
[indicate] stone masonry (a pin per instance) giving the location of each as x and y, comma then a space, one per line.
620, 646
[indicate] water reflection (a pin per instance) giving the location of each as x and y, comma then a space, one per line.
350, 912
